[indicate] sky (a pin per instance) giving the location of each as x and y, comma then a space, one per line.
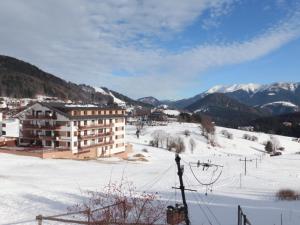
169, 49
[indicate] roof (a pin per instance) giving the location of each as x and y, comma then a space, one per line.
63, 109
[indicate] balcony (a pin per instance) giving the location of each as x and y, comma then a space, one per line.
95, 125
96, 145
40, 137
90, 136
40, 127
41, 117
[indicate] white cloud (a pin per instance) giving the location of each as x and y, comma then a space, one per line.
86, 41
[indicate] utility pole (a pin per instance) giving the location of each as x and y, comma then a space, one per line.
246, 160
181, 187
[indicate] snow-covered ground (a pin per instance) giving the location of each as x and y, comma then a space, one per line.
31, 186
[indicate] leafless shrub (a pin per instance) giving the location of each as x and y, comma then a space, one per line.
126, 205
192, 145
158, 138
227, 134
187, 133
250, 137
208, 129
287, 194
176, 144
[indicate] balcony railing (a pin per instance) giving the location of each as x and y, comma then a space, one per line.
42, 117
97, 145
40, 137
95, 125
40, 127
89, 136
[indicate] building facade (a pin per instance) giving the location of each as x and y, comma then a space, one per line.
77, 128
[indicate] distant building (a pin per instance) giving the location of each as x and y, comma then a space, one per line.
10, 128
287, 124
158, 116
247, 128
99, 130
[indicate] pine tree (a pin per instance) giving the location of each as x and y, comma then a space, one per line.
269, 147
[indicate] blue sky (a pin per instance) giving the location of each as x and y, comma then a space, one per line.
168, 49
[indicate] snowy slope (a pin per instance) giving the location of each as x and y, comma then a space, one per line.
116, 100
235, 87
252, 88
31, 186
283, 103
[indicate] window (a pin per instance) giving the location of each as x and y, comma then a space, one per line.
3, 125
69, 144
85, 122
110, 111
68, 134
75, 113
85, 142
75, 133
85, 112
75, 143
100, 140
100, 121
93, 112
75, 123
116, 137
93, 121
85, 132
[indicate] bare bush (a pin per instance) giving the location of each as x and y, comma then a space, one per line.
269, 147
250, 137
144, 150
208, 129
227, 134
176, 144
187, 133
287, 194
275, 142
158, 138
122, 204
192, 145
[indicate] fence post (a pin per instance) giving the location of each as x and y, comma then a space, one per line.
39, 218
89, 216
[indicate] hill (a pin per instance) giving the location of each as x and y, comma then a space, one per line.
225, 111
285, 124
19, 79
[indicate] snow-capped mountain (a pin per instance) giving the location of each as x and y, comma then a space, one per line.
254, 88
250, 88
276, 98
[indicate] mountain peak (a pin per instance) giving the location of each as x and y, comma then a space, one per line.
150, 100
251, 87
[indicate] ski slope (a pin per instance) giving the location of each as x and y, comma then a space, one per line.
31, 186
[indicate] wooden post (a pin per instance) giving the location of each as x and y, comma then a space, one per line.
245, 219
39, 218
180, 173
89, 216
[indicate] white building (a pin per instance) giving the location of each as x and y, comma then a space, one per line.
78, 128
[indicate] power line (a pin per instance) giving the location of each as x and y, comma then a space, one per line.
206, 205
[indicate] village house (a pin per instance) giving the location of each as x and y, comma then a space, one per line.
88, 130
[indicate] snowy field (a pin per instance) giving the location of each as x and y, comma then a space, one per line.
31, 186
